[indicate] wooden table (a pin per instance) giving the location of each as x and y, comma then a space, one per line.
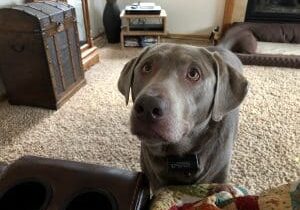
127, 18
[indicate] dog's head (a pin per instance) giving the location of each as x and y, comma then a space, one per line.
176, 87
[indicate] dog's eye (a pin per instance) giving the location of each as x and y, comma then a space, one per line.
193, 74
147, 67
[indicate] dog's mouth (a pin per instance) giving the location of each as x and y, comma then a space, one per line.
152, 137
158, 133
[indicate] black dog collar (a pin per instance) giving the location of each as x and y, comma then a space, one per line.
185, 164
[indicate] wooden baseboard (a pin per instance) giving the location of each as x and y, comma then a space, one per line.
186, 36
89, 58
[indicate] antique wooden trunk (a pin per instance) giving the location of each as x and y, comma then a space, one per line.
40, 60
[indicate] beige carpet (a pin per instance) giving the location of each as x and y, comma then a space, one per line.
93, 125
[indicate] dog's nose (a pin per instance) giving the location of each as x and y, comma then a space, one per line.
149, 108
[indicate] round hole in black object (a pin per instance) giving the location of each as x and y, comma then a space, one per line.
92, 200
30, 195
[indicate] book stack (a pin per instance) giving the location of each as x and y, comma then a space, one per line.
132, 41
148, 41
140, 41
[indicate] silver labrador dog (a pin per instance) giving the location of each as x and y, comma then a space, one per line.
185, 111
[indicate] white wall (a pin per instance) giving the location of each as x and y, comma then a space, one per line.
80, 19
96, 8
4, 3
184, 16
189, 16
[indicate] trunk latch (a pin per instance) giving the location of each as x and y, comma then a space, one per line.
60, 27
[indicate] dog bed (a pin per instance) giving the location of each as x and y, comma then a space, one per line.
226, 197
249, 36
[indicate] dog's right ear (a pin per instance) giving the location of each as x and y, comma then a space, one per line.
127, 75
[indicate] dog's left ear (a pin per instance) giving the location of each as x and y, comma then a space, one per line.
231, 88
127, 75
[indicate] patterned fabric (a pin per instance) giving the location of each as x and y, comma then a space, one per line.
226, 197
